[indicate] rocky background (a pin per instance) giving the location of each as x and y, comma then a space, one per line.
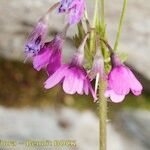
21, 86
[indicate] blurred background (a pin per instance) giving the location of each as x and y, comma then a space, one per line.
27, 111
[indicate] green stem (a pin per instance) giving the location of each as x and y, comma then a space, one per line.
102, 11
92, 35
103, 26
102, 88
120, 24
102, 115
95, 14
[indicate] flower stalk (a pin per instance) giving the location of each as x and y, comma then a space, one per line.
120, 24
102, 88
92, 35
102, 114
102, 11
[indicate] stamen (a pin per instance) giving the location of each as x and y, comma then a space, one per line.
97, 82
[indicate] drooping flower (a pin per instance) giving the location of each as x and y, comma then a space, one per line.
74, 9
120, 81
36, 39
97, 70
49, 56
73, 76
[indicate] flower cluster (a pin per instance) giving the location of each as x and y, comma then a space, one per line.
74, 76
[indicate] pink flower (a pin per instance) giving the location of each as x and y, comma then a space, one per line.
49, 56
74, 8
74, 79
120, 81
36, 39
72, 76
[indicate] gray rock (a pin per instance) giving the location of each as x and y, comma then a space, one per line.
136, 123
26, 124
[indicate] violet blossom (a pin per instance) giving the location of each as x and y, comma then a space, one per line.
120, 81
73, 76
49, 56
65, 5
74, 9
36, 39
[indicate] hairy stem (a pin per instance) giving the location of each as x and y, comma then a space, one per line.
120, 24
102, 114
92, 35
102, 88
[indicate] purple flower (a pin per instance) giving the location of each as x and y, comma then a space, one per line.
65, 5
73, 77
120, 81
49, 56
36, 39
74, 8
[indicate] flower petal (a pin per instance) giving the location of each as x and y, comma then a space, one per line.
86, 87
64, 5
73, 82
75, 9
76, 12
119, 80
69, 82
36, 39
81, 78
56, 77
54, 62
80, 86
113, 96
42, 59
135, 85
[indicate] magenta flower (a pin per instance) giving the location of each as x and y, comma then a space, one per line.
49, 56
74, 8
120, 81
73, 76
36, 39
74, 79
